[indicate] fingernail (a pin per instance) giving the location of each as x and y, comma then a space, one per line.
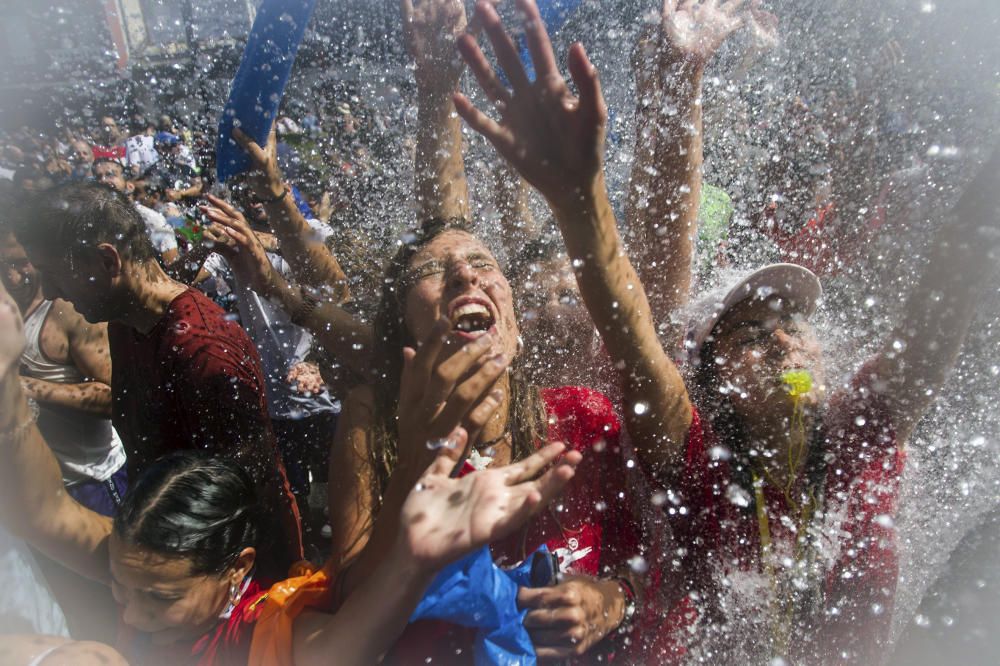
496, 394
499, 360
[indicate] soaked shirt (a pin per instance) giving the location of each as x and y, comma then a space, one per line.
592, 528
195, 382
843, 584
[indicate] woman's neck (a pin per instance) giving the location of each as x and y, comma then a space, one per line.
496, 434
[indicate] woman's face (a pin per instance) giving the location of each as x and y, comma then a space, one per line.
755, 343
455, 276
160, 596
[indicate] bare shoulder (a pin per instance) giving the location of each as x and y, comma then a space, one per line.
72, 324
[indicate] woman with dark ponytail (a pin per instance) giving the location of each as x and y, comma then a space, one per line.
180, 556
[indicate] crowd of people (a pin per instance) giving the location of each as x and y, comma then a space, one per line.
220, 403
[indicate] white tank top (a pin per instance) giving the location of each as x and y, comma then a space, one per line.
87, 446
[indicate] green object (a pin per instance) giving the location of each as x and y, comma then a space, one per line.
798, 382
192, 231
714, 214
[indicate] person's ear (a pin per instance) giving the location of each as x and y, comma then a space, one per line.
129, 187
243, 565
110, 260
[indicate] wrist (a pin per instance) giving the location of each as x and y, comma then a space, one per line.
276, 193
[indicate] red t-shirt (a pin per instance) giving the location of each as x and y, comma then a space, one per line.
595, 532
225, 644
195, 382
856, 563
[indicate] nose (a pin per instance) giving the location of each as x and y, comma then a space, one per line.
462, 274
786, 341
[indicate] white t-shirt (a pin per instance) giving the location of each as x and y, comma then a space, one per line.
140, 154
26, 605
159, 230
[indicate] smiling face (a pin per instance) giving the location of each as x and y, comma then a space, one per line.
455, 276
161, 596
754, 344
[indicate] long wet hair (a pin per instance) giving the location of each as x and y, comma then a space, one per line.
194, 506
526, 411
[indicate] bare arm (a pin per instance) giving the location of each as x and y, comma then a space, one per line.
430, 30
439, 521
87, 349
33, 502
922, 349
665, 189
350, 477
338, 331
558, 147
311, 260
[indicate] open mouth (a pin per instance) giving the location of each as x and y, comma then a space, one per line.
472, 318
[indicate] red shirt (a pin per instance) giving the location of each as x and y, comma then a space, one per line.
856, 560
225, 644
596, 532
195, 382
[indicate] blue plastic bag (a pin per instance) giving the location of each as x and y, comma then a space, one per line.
475, 592
260, 80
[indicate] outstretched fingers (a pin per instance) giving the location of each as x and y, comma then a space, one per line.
593, 110
501, 138
418, 364
539, 45
503, 46
480, 67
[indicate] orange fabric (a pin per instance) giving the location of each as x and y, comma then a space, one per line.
285, 601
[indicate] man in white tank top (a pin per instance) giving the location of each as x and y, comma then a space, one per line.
66, 369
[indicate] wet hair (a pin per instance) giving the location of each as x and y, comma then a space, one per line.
526, 415
191, 505
83, 213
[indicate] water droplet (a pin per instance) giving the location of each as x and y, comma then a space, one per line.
640, 408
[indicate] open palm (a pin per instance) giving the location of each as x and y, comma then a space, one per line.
696, 28
553, 138
445, 518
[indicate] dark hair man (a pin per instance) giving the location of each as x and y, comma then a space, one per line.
111, 172
184, 376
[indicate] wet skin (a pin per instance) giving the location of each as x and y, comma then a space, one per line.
160, 596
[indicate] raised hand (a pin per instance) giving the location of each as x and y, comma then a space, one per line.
430, 28
694, 29
446, 399
245, 255
553, 138
444, 518
763, 28
265, 178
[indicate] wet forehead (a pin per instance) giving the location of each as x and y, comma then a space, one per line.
140, 568
450, 245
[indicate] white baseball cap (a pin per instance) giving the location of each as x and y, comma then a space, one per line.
789, 281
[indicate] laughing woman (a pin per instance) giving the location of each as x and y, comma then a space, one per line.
444, 289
